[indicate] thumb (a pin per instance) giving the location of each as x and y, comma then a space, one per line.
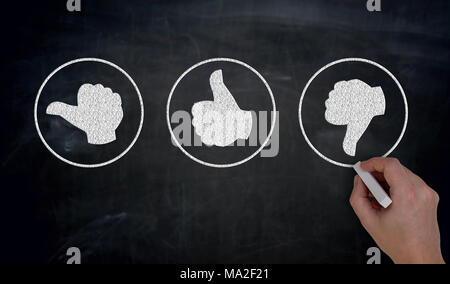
221, 94
68, 112
355, 130
361, 203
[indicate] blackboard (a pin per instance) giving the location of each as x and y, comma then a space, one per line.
155, 205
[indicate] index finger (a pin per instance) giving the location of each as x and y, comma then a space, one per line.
391, 168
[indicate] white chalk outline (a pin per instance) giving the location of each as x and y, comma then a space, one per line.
274, 118
75, 62
345, 60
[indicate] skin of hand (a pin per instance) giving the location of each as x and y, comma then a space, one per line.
408, 230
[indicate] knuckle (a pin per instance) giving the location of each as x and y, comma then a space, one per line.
436, 197
389, 163
375, 159
410, 196
394, 162
429, 195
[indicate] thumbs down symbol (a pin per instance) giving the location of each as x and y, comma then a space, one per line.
354, 103
221, 122
98, 113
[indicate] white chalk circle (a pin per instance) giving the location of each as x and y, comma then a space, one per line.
346, 60
274, 117
98, 165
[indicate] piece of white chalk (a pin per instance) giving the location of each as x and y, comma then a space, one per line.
372, 184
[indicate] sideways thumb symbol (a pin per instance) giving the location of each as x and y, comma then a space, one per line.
67, 112
98, 113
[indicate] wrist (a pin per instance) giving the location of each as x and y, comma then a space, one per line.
420, 258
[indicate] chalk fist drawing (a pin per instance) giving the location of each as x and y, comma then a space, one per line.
98, 114
354, 103
221, 122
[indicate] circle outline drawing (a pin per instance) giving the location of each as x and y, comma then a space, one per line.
213, 165
80, 165
346, 60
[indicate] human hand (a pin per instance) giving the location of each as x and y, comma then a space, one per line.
98, 113
408, 230
354, 104
221, 122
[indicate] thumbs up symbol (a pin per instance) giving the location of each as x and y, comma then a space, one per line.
98, 114
221, 122
354, 103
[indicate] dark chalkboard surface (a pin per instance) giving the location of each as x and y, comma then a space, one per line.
155, 205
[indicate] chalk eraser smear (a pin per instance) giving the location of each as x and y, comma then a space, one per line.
372, 184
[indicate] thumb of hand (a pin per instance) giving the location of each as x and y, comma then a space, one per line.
68, 112
221, 94
362, 205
